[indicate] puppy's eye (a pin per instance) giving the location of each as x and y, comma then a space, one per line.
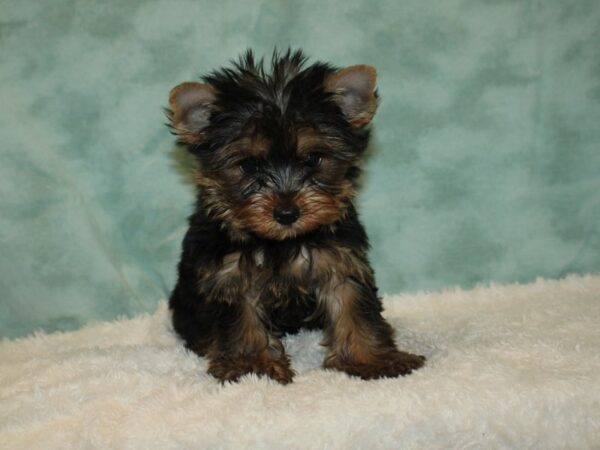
249, 166
313, 159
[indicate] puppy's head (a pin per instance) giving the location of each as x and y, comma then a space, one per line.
277, 146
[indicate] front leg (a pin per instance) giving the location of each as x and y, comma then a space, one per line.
242, 343
360, 342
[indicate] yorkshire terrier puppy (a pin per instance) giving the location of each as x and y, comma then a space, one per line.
275, 243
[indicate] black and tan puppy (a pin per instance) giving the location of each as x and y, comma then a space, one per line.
275, 243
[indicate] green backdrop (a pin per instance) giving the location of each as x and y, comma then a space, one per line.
484, 166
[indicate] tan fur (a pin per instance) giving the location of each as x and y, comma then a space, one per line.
254, 144
308, 140
317, 208
252, 335
347, 337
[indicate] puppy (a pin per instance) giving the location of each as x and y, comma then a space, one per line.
275, 243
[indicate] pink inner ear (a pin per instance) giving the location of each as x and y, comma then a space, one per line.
360, 79
190, 95
191, 105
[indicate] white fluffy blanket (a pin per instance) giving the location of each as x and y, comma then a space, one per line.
508, 367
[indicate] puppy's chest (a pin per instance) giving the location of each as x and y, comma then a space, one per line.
268, 265
279, 273
296, 264
272, 268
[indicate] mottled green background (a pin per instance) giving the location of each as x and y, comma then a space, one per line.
485, 162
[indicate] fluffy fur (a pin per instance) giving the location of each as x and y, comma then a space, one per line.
275, 244
509, 367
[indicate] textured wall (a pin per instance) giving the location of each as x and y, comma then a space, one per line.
485, 162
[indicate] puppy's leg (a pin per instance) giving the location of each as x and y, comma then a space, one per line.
360, 342
242, 343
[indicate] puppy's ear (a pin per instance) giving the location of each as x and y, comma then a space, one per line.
190, 108
354, 89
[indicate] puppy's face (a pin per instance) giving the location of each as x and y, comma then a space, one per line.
277, 152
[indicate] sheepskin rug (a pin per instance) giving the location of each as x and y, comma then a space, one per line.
508, 367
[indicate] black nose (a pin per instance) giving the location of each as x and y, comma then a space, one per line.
286, 215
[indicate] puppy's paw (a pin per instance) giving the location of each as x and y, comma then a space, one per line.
277, 369
232, 368
226, 368
388, 365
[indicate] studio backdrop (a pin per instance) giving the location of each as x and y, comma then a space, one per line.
484, 165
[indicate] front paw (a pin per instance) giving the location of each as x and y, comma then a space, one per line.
277, 369
388, 365
232, 368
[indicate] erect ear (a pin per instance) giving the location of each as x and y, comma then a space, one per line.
191, 104
354, 90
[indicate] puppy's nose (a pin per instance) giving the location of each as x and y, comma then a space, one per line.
286, 215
